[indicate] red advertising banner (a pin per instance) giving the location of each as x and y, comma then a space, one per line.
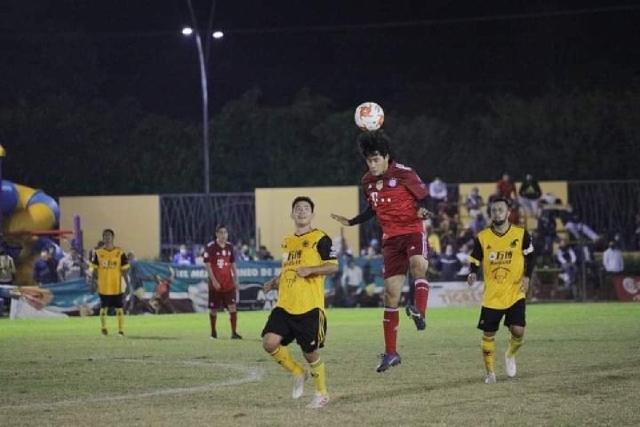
627, 287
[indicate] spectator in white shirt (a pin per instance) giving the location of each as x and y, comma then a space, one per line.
612, 259
438, 193
71, 266
352, 279
567, 258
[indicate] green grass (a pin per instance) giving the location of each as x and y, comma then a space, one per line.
580, 366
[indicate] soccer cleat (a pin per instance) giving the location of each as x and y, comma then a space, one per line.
120, 334
214, 335
388, 360
298, 384
416, 316
319, 401
490, 378
510, 365
236, 336
104, 332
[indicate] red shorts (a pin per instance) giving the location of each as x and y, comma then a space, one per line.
222, 299
397, 250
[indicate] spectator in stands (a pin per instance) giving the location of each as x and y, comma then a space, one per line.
530, 194
465, 264
506, 187
637, 233
547, 234
264, 254
245, 254
438, 193
612, 259
466, 237
449, 265
43, 271
71, 266
587, 265
474, 203
478, 223
574, 225
351, 281
7, 274
183, 257
200, 257
566, 257
613, 264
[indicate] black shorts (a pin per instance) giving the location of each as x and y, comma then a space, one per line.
490, 317
308, 329
111, 301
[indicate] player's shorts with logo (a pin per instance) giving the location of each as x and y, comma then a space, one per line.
308, 329
490, 317
222, 299
397, 250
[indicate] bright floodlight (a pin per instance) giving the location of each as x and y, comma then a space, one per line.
187, 31
218, 34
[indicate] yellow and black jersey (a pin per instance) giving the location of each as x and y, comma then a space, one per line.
297, 294
503, 259
110, 264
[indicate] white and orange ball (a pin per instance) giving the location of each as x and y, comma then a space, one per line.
369, 116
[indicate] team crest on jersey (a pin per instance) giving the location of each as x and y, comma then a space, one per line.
379, 185
305, 244
514, 243
392, 182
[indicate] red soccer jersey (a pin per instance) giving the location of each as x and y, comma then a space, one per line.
393, 198
220, 259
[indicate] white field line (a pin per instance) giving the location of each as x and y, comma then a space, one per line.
247, 375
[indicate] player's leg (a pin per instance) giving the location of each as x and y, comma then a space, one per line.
103, 314
515, 320
392, 292
489, 323
310, 335
230, 300
416, 248
213, 313
276, 335
119, 306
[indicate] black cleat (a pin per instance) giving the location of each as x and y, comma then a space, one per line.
214, 335
236, 336
417, 317
388, 361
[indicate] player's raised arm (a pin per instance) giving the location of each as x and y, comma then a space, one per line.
364, 216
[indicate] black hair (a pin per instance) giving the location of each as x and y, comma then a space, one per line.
222, 226
108, 230
303, 199
374, 143
501, 199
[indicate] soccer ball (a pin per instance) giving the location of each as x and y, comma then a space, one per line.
369, 116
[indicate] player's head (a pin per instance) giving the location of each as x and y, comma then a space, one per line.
499, 211
222, 233
374, 147
302, 210
107, 236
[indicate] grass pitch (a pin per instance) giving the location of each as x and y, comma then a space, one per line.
580, 366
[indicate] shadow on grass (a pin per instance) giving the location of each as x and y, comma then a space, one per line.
150, 338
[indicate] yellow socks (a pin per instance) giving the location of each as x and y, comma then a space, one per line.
514, 345
319, 376
488, 352
282, 356
120, 316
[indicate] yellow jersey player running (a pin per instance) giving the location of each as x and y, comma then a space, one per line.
307, 257
108, 263
505, 252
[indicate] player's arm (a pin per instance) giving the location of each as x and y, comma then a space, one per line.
474, 261
234, 272
272, 284
212, 277
124, 267
529, 260
419, 190
363, 216
327, 254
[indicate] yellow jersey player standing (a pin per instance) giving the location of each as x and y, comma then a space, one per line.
108, 263
307, 257
505, 252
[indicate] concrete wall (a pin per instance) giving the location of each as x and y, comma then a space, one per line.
273, 213
134, 219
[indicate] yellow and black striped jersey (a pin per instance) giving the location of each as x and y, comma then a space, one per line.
502, 258
297, 294
110, 264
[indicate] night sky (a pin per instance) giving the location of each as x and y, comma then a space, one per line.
399, 53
